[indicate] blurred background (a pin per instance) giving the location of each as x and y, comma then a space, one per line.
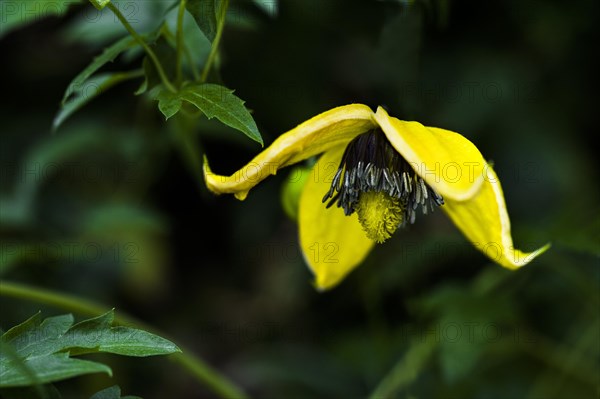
108, 207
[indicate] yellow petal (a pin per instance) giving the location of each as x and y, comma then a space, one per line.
484, 220
333, 244
327, 130
446, 160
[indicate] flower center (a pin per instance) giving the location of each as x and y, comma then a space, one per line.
374, 180
379, 214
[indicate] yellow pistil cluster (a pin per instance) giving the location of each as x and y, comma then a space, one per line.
379, 214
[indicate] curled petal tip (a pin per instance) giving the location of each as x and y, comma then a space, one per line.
520, 259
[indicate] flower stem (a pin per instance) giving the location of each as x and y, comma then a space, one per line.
215, 43
144, 45
195, 366
179, 34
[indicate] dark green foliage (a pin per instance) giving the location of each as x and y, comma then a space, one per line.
214, 101
39, 352
111, 207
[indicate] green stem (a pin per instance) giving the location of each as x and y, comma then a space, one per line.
186, 51
215, 43
144, 45
179, 56
193, 66
184, 136
193, 365
406, 370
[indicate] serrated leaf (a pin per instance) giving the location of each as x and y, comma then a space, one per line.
214, 101
35, 338
99, 4
90, 89
8, 353
205, 13
44, 349
85, 86
96, 335
113, 392
168, 103
22, 328
16, 14
220, 102
54, 367
108, 55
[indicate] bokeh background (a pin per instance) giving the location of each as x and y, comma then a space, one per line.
110, 208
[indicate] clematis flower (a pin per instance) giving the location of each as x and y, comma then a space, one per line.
375, 174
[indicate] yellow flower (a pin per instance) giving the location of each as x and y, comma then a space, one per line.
379, 171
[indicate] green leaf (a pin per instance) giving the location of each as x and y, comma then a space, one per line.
108, 55
205, 13
53, 367
19, 13
168, 103
214, 101
22, 328
113, 392
96, 335
39, 338
8, 352
84, 87
90, 89
42, 351
99, 4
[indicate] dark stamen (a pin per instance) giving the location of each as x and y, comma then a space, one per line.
370, 163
